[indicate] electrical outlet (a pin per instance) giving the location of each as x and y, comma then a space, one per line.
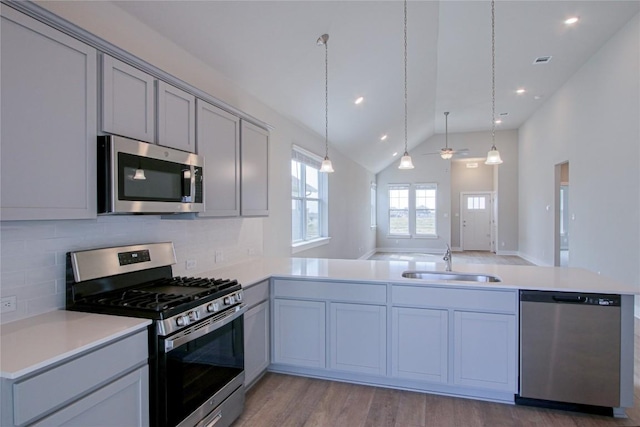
8, 304
219, 256
190, 264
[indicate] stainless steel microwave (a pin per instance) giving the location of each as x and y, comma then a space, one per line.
137, 177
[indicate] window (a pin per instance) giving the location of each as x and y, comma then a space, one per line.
399, 210
374, 216
425, 198
412, 210
308, 197
476, 203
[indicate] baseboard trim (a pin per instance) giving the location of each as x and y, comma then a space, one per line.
410, 250
533, 260
368, 255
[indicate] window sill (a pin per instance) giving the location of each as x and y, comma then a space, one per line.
398, 236
303, 246
426, 236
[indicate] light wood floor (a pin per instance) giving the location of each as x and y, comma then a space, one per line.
466, 257
284, 400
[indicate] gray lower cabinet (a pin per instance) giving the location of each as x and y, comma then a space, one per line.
420, 344
254, 174
49, 122
299, 334
458, 341
257, 339
107, 386
485, 350
218, 140
358, 338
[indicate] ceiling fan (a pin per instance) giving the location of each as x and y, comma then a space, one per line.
447, 152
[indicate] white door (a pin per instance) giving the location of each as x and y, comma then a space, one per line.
476, 221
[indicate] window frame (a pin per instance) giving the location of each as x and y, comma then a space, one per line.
373, 204
406, 187
426, 186
412, 210
306, 158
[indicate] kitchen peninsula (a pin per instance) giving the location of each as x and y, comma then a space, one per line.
361, 321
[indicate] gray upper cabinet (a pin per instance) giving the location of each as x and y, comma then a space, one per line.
218, 139
254, 155
176, 118
49, 115
128, 101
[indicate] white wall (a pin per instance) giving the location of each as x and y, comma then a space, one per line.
592, 122
431, 168
32, 258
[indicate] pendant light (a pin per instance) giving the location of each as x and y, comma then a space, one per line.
493, 157
405, 161
446, 153
326, 163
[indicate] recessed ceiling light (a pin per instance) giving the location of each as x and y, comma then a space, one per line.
537, 97
359, 100
521, 90
383, 137
571, 20
498, 121
504, 114
395, 154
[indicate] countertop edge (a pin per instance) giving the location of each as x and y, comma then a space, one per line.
76, 351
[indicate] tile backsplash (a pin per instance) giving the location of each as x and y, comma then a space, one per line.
32, 253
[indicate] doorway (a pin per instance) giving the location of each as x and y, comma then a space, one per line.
561, 226
475, 222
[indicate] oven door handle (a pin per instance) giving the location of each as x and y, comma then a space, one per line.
197, 331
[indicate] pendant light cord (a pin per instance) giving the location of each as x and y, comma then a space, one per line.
326, 100
493, 75
405, 77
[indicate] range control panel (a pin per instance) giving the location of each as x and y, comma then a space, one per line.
134, 257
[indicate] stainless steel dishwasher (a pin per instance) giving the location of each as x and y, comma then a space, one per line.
570, 347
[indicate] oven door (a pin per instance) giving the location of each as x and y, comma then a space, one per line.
199, 368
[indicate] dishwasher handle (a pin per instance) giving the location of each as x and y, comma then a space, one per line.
579, 299
554, 297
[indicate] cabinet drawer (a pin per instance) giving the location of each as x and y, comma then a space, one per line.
336, 291
468, 299
256, 294
33, 397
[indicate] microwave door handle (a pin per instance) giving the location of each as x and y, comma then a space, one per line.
187, 184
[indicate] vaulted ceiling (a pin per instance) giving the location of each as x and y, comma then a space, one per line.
269, 49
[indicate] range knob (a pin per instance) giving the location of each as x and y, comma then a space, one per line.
213, 307
239, 296
182, 320
193, 315
229, 300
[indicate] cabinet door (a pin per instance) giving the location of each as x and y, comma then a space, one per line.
299, 333
49, 111
419, 344
485, 350
218, 139
359, 338
128, 101
124, 402
176, 118
254, 155
256, 342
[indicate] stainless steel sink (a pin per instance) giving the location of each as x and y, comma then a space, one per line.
445, 275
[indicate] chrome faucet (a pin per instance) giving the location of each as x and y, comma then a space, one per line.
447, 258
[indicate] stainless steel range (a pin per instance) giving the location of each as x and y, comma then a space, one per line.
196, 351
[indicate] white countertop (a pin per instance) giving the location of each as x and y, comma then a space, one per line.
513, 276
36, 342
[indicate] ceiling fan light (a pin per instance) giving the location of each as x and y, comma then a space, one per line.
493, 157
406, 162
446, 153
326, 166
